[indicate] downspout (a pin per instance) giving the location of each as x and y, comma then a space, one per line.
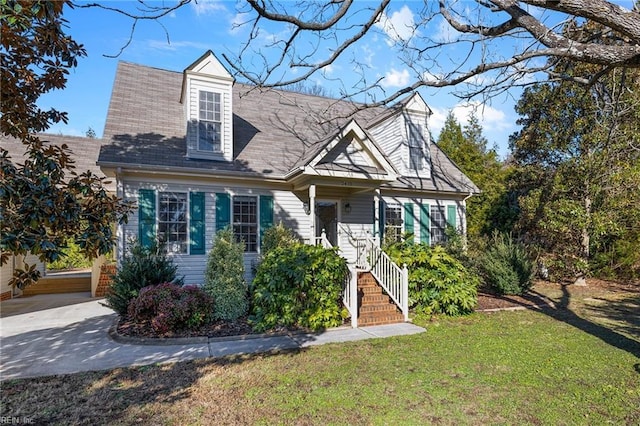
464, 226
120, 231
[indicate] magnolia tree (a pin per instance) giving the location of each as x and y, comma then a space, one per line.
44, 201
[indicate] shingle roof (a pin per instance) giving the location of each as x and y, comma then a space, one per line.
84, 151
274, 131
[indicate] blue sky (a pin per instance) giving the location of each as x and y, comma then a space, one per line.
210, 25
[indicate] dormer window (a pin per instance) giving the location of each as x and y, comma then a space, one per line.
416, 147
210, 122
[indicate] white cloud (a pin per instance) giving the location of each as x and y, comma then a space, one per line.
175, 45
491, 119
206, 7
395, 78
445, 33
399, 27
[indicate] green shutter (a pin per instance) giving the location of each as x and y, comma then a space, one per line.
146, 217
196, 223
223, 211
266, 213
451, 216
408, 219
425, 224
381, 218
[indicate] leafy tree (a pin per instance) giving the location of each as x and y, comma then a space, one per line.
468, 149
314, 35
578, 167
43, 200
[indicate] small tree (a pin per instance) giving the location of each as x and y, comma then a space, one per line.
224, 277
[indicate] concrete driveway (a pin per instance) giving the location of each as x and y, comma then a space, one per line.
60, 334
40, 340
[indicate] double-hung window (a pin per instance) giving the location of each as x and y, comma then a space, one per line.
172, 221
210, 122
393, 223
245, 221
416, 151
438, 225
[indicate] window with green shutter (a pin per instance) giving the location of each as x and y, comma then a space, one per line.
146, 217
408, 219
425, 224
451, 216
266, 213
223, 211
197, 223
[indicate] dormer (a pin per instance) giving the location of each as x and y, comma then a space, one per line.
404, 136
207, 100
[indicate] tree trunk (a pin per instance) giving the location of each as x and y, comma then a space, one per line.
584, 246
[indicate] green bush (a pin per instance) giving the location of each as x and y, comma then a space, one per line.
224, 277
277, 236
141, 267
506, 266
170, 308
298, 285
72, 258
438, 282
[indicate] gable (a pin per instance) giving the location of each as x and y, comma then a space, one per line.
352, 153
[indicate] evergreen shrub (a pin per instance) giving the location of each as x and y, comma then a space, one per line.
298, 285
506, 266
141, 267
438, 282
224, 277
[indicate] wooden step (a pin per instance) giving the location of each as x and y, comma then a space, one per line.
60, 283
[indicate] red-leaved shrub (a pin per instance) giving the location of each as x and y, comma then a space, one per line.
170, 308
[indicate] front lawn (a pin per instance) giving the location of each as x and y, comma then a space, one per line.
577, 366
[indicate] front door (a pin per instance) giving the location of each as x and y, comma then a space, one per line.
327, 220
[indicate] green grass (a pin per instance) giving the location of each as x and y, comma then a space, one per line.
555, 368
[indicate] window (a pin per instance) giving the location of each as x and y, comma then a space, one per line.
245, 221
210, 123
393, 223
438, 225
172, 221
416, 154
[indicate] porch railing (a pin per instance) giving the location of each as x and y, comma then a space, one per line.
349, 286
393, 279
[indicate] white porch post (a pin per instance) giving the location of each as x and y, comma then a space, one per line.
312, 212
376, 217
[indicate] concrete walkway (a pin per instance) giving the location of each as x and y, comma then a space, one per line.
72, 336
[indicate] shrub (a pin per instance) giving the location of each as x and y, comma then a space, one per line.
141, 267
224, 277
71, 258
298, 285
438, 282
506, 266
170, 308
277, 236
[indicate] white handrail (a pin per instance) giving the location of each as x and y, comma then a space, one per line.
350, 294
393, 279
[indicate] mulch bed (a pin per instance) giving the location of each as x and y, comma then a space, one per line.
486, 302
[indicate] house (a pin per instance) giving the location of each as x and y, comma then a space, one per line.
198, 152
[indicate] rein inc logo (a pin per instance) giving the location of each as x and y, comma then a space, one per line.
10, 420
